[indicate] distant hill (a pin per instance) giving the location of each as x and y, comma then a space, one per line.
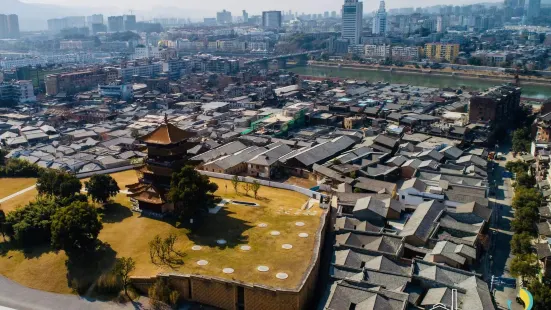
34, 16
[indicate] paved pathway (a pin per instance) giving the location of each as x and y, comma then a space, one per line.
16, 296
17, 194
501, 253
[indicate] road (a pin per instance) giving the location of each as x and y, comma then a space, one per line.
16, 296
502, 235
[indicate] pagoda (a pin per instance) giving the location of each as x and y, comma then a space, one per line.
167, 148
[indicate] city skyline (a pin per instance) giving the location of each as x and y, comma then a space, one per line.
308, 6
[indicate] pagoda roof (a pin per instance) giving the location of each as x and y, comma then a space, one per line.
167, 134
148, 193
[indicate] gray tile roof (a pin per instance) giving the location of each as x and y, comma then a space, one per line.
422, 221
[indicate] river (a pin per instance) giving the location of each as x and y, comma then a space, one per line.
427, 80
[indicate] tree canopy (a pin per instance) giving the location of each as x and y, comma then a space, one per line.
191, 193
521, 140
76, 228
102, 187
521, 244
524, 266
542, 295
30, 225
57, 183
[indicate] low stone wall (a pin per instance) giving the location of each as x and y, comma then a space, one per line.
105, 171
290, 187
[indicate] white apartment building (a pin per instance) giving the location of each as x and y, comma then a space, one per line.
377, 51
405, 52
26, 91
147, 70
147, 52
352, 19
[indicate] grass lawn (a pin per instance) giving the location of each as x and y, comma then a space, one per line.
128, 234
20, 200
10, 186
123, 178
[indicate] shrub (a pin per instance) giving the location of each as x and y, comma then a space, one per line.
108, 284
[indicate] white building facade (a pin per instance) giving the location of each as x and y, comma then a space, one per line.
380, 20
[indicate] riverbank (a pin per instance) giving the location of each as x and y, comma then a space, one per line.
503, 78
436, 80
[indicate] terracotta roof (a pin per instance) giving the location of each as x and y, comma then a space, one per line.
149, 194
167, 134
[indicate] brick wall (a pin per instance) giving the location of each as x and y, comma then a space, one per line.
214, 293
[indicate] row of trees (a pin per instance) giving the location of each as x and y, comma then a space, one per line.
246, 186
525, 263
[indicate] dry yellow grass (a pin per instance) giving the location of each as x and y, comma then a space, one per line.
10, 186
123, 178
18, 201
129, 234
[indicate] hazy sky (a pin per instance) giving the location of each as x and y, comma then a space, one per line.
253, 6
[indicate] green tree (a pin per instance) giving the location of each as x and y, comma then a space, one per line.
3, 224
521, 140
523, 179
255, 187
75, 228
235, 183
541, 294
524, 266
527, 196
517, 166
30, 225
521, 244
524, 220
101, 187
123, 267
191, 193
57, 183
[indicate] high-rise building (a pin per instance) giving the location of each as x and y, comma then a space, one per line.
224, 17
380, 20
55, 25
94, 19
13, 26
352, 18
333, 14
271, 19
129, 22
533, 9
4, 28
245, 16
115, 23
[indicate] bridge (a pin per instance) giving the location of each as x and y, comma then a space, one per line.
301, 58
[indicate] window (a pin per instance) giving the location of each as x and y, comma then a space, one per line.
362, 265
352, 306
403, 197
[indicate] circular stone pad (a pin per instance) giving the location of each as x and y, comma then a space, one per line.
287, 246
262, 225
299, 224
262, 268
196, 248
202, 262
221, 241
245, 248
282, 275
303, 235
275, 233
228, 270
